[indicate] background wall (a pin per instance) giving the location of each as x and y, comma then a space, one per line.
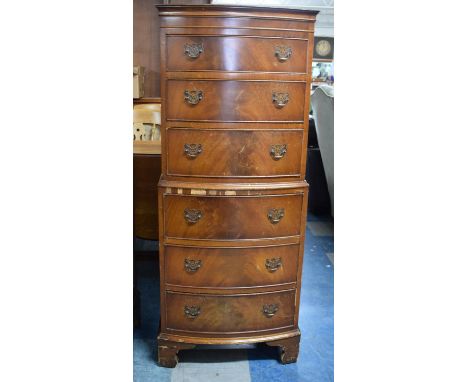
146, 41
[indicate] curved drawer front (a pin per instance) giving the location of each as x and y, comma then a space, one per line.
224, 314
232, 218
235, 101
234, 53
233, 153
231, 24
231, 267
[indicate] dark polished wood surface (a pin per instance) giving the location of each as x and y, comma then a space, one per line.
253, 100
235, 153
233, 204
144, 100
230, 314
228, 53
232, 218
231, 267
146, 173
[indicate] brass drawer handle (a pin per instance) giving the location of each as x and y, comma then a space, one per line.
280, 99
192, 150
193, 96
278, 151
193, 50
192, 266
269, 310
273, 264
283, 52
192, 216
191, 311
275, 215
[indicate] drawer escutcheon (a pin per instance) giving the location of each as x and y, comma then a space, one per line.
192, 266
269, 310
193, 50
193, 97
191, 312
275, 215
280, 99
192, 150
192, 216
283, 52
273, 264
278, 151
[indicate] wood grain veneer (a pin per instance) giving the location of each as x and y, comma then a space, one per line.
230, 314
253, 100
224, 267
233, 217
227, 53
235, 153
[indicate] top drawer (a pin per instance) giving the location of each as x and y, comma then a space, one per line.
236, 53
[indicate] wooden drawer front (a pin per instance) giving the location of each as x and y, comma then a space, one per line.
231, 267
221, 314
235, 101
286, 23
233, 153
234, 54
231, 218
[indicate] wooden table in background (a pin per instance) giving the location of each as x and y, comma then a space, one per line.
146, 173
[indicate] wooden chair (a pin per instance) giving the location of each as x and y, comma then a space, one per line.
148, 106
146, 141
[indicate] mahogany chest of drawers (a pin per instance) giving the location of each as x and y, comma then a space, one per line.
235, 84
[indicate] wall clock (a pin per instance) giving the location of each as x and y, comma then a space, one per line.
323, 48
